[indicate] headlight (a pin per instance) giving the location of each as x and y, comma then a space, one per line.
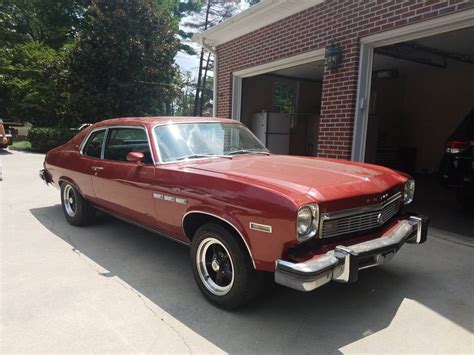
409, 191
307, 222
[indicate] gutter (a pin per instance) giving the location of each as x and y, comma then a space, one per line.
207, 46
254, 18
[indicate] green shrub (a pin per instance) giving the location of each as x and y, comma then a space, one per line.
43, 139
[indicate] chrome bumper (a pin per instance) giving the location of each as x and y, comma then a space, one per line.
343, 263
44, 175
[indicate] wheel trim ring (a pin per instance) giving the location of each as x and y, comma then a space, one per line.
69, 206
206, 279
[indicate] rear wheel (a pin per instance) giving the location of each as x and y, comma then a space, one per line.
76, 209
222, 267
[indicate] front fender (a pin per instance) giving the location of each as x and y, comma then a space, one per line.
227, 218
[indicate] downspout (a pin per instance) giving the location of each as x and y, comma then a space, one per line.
207, 46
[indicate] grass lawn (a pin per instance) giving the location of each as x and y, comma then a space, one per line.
20, 144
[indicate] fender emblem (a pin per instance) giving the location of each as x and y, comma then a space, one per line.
260, 227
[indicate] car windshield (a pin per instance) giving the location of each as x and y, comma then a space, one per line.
205, 140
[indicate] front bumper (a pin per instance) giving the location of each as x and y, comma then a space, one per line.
343, 263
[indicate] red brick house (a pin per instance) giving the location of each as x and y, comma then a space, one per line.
404, 81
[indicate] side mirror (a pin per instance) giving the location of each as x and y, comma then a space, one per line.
135, 157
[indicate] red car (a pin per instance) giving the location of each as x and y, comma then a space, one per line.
210, 183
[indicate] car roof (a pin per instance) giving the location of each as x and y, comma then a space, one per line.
160, 120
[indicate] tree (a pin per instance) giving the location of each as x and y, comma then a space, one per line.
51, 22
184, 103
178, 9
212, 13
123, 61
34, 36
30, 83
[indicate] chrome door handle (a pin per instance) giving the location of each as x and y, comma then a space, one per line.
96, 168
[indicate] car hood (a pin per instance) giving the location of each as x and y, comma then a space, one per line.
318, 178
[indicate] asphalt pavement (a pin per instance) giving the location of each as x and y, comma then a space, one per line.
113, 287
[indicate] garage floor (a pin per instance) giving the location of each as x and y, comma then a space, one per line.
440, 204
113, 287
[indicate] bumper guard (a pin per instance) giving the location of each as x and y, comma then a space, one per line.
344, 262
44, 175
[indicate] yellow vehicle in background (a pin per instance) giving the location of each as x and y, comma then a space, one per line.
6, 138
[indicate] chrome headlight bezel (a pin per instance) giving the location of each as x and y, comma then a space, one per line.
409, 191
312, 228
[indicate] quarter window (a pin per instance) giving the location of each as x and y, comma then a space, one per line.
121, 141
93, 147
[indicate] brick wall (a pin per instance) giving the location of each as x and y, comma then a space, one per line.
341, 21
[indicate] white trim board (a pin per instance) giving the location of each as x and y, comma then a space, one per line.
300, 59
426, 28
254, 18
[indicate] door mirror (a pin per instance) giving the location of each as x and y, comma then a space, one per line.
135, 157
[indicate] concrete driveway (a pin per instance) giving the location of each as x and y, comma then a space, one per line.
112, 287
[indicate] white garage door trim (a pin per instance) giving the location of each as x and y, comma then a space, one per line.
428, 28
300, 59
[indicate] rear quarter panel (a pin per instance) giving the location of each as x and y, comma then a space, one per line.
66, 163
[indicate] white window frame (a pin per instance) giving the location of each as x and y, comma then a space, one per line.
428, 28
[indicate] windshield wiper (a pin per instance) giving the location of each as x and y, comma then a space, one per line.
197, 156
247, 151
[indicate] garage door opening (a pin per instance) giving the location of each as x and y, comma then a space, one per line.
421, 91
282, 108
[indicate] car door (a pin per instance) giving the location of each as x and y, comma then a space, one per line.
88, 158
122, 187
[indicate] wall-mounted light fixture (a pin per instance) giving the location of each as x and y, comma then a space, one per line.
333, 56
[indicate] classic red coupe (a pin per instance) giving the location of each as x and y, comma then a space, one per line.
211, 184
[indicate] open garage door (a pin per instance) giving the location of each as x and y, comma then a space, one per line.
422, 92
282, 107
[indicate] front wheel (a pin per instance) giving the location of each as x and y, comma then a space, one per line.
76, 209
222, 267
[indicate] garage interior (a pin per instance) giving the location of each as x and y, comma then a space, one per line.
421, 91
291, 95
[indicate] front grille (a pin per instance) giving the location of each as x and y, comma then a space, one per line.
359, 219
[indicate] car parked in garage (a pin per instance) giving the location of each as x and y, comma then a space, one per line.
457, 163
211, 184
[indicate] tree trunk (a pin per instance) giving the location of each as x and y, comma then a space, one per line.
198, 85
201, 99
201, 60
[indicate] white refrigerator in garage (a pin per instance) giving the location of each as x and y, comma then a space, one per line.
273, 130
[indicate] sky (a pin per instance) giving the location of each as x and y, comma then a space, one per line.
188, 62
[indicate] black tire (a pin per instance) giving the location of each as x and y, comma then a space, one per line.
246, 282
77, 211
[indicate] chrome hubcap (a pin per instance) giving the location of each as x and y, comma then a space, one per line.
69, 199
215, 266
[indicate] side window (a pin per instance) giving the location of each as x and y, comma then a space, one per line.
93, 147
121, 141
